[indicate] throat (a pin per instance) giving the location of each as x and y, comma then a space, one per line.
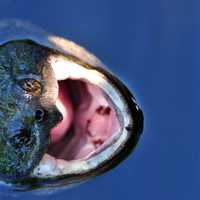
89, 121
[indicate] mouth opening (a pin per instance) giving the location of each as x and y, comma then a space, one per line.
90, 123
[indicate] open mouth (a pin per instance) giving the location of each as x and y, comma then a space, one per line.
101, 122
90, 121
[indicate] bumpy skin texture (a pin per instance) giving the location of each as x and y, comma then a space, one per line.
28, 91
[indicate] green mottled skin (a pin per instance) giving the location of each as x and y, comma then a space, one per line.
24, 139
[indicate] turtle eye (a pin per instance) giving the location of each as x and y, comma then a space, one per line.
32, 87
40, 115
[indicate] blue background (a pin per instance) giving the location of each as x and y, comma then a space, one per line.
154, 46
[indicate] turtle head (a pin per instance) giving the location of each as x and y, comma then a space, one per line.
28, 92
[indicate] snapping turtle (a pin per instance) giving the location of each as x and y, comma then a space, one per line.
64, 118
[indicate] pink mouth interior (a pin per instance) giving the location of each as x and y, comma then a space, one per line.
89, 121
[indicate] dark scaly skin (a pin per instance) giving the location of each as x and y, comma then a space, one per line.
28, 91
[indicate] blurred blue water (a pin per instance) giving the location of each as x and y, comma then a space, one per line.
154, 46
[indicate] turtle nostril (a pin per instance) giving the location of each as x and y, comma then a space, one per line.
58, 117
39, 115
